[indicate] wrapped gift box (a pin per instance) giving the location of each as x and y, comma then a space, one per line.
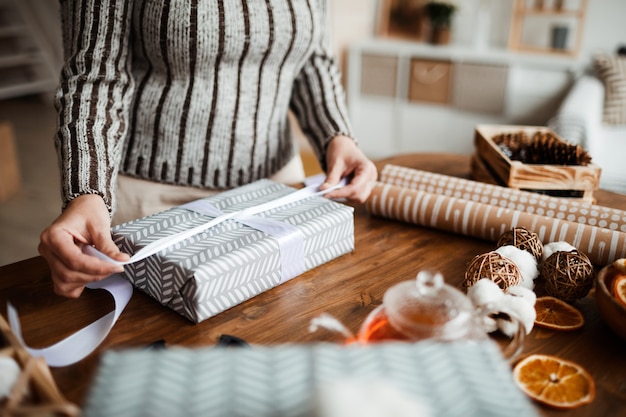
231, 262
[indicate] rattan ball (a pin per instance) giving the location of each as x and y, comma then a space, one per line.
524, 239
567, 275
493, 266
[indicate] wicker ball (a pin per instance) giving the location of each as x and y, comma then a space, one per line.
568, 275
495, 267
523, 239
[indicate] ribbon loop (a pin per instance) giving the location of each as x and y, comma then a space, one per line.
80, 344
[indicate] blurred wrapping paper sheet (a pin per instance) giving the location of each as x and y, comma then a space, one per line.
425, 379
486, 211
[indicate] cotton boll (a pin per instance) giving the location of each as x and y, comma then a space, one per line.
520, 309
9, 373
526, 263
525, 293
553, 247
523, 310
484, 292
489, 324
507, 327
518, 301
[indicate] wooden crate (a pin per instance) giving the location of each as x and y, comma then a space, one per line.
35, 392
575, 181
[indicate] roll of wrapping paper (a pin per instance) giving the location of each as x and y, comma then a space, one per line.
569, 209
487, 221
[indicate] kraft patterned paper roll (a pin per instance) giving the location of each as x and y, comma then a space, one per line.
569, 209
488, 221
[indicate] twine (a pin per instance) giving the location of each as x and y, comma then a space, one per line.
568, 275
493, 266
524, 239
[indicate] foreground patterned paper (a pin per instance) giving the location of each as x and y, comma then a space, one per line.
461, 379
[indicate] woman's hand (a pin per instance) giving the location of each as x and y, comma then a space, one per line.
343, 159
85, 221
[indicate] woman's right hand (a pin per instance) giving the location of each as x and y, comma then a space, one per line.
85, 221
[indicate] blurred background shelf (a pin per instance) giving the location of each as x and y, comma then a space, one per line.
553, 27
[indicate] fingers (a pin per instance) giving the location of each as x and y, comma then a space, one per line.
85, 222
68, 282
104, 243
360, 188
70, 268
357, 190
334, 175
345, 159
362, 180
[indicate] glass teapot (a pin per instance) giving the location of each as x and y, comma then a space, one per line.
427, 308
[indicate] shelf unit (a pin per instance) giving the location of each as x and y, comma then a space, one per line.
562, 16
26, 63
415, 97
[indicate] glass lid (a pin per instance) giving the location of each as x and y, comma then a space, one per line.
427, 307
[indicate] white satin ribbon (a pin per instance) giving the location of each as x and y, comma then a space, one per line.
290, 239
80, 344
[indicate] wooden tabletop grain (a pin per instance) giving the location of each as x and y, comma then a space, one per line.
349, 288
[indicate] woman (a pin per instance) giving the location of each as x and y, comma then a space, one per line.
162, 102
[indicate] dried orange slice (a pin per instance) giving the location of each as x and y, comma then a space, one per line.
556, 314
619, 289
554, 381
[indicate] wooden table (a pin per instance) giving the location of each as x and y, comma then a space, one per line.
348, 288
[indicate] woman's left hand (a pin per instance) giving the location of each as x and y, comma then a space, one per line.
345, 159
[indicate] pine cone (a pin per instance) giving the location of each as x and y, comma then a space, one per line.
542, 148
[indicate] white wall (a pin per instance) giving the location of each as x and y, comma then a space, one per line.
351, 20
605, 27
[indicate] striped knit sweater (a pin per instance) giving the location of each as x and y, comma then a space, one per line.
191, 92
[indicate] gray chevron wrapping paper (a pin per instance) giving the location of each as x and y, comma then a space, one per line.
460, 379
230, 262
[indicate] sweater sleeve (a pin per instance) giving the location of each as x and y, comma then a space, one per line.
318, 97
93, 96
